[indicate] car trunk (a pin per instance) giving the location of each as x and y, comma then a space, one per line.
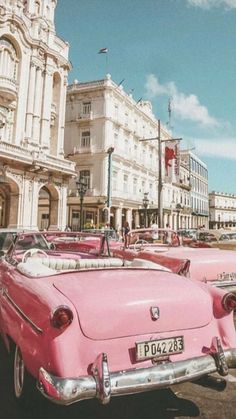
115, 303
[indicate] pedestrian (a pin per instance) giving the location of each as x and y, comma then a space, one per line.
168, 235
126, 231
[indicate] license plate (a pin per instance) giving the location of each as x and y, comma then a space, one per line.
159, 348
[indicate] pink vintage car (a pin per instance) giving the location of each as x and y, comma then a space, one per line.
214, 266
91, 241
86, 328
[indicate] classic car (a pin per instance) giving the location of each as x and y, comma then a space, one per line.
85, 328
87, 240
152, 237
226, 240
207, 264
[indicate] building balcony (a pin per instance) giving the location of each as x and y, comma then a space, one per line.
8, 89
85, 117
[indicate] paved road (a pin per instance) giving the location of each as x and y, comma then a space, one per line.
189, 400
182, 401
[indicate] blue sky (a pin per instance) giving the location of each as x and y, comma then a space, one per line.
182, 50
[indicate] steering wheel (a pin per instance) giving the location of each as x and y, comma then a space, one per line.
31, 252
140, 242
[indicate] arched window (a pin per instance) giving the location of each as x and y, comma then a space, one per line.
8, 59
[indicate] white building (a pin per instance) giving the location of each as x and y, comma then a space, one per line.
104, 134
222, 210
33, 78
198, 178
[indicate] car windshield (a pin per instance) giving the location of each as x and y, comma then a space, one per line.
6, 239
229, 236
84, 242
29, 241
109, 233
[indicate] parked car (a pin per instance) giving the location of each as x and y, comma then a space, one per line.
92, 241
226, 240
87, 328
207, 264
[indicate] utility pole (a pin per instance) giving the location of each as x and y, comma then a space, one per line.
160, 176
160, 184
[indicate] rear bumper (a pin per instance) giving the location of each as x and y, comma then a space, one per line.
102, 384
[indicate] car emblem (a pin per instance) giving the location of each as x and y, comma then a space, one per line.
155, 313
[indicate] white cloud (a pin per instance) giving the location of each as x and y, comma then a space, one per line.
207, 4
223, 148
184, 106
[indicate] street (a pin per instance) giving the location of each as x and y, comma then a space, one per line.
189, 400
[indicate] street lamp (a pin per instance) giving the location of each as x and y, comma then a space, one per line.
109, 152
82, 189
145, 204
178, 209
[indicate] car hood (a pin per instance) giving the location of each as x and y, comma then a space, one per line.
116, 303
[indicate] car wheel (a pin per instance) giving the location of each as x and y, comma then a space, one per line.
23, 383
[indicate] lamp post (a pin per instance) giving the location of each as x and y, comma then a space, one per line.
145, 205
178, 209
109, 152
82, 189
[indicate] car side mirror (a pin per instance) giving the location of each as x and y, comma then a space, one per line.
52, 246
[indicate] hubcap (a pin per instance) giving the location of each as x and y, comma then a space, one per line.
19, 372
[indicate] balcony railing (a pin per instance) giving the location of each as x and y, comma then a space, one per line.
8, 88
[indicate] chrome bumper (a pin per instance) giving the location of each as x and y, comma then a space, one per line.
102, 384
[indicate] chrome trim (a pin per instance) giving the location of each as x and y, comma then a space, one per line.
227, 285
18, 309
155, 313
102, 384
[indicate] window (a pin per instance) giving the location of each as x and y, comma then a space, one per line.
125, 183
135, 183
114, 180
85, 176
85, 139
86, 108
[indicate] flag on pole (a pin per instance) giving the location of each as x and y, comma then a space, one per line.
103, 51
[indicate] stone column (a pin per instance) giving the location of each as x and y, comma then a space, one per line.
30, 102
118, 218
136, 219
129, 216
37, 105
46, 111
61, 117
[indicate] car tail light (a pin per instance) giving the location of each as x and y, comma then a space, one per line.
62, 317
229, 302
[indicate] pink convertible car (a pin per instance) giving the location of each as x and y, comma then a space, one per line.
90, 327
214, 266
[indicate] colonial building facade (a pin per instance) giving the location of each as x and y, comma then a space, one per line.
114, 142
222, 210
33, 78
198, 182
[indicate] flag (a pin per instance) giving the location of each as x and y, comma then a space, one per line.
172, 159
103, 51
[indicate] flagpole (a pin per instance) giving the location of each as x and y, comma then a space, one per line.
107, 62
105, 51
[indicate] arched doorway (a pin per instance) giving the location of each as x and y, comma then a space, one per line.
9, 202
48, 208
